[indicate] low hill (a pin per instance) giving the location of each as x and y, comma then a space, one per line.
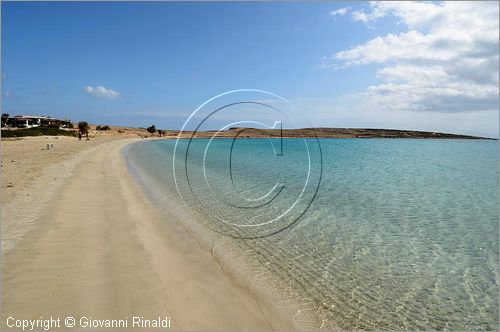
330, 133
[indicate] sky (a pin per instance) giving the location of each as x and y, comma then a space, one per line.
405, 65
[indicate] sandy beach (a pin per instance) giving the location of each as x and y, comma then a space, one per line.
79, 238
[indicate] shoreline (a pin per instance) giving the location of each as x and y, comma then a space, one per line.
98, 248
282, 299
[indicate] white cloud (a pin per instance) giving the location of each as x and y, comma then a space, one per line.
340, 12
410, 13
361, 16
101, 92
446, 60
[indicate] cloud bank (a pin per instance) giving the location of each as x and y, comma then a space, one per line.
446, 60
101, 92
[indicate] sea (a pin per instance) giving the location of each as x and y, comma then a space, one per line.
351, 234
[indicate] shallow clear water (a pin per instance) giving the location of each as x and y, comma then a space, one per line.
399, 234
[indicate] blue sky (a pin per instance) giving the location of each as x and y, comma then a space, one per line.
141, 63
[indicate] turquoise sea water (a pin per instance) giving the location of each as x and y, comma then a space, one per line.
364, 234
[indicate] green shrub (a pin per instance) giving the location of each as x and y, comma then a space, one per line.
151, 129
103, 128
83, 127
38, 131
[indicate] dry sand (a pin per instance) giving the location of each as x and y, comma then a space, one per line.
86, 242
24, 159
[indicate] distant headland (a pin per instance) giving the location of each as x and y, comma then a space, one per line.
329, 133
30, 125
